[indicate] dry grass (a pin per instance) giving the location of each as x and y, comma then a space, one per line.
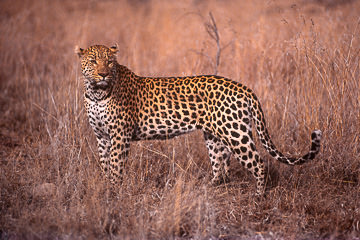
301, 58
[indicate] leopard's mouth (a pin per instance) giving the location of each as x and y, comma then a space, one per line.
102, 84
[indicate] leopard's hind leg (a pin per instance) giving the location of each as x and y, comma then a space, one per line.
243, 147
219, 155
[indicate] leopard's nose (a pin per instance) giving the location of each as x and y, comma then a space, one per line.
103, 74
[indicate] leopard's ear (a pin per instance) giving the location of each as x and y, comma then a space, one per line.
114, 48
79, 51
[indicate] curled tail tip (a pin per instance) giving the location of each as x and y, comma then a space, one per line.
316, 135
315, 144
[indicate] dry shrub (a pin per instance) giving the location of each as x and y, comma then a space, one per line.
302, 60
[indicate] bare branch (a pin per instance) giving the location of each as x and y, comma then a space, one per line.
213, 32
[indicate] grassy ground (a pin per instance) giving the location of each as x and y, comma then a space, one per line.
300, 57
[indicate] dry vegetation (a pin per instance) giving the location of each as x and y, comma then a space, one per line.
300, 57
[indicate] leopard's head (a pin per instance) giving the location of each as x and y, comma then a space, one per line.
98, 65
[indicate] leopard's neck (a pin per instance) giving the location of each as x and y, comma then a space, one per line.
95, 93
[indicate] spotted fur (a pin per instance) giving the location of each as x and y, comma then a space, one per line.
123, 107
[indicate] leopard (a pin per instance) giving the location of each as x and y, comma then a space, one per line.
123, 107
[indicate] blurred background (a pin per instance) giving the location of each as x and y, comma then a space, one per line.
301, 58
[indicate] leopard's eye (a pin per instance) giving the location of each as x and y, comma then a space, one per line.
93, 61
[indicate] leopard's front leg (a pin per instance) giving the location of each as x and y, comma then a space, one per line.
120, 147
104, 146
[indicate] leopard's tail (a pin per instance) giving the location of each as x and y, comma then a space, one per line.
259, 120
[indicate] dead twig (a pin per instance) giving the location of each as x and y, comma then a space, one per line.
213, 32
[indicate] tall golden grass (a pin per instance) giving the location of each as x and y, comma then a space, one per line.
300, 57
